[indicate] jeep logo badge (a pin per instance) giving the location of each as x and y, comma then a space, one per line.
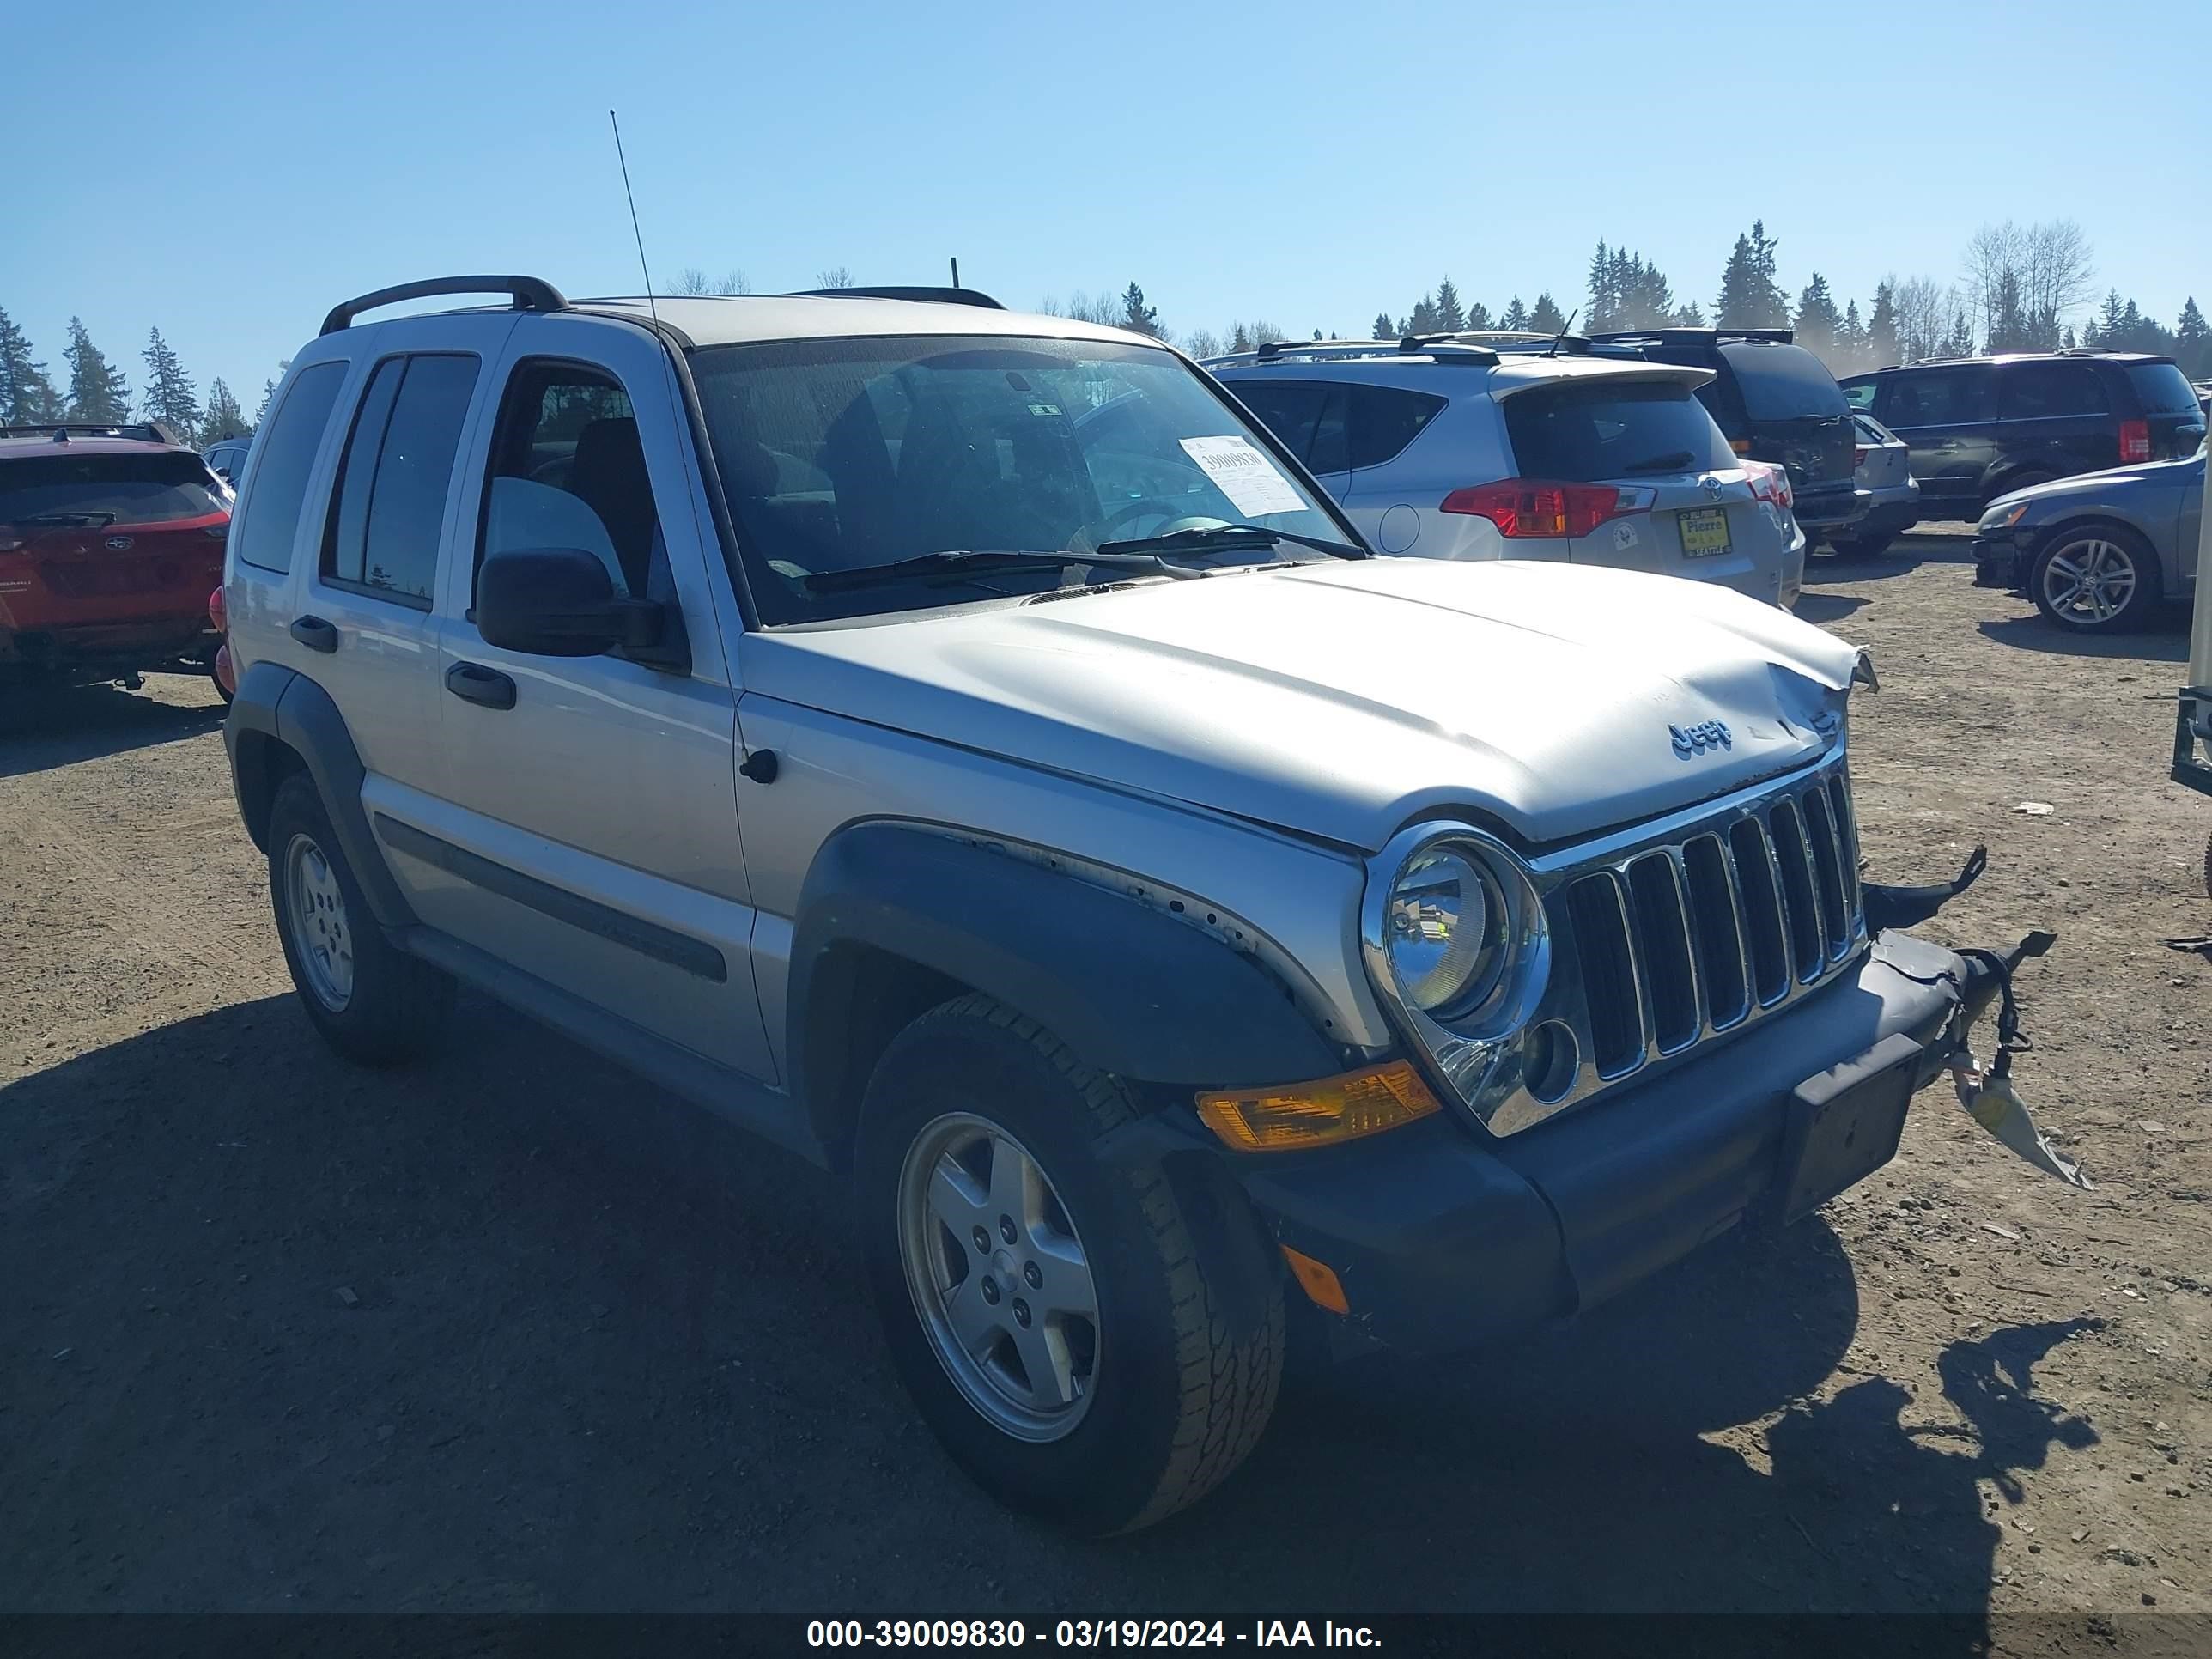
1696, 740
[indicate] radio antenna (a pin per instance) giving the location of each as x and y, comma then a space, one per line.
630, 196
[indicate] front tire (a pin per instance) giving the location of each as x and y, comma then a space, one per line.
2095, 579
372, 1003
1055, 1318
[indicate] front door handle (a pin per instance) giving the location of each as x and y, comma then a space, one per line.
478, 684
315, 633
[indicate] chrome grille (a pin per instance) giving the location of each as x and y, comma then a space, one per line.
1673, 940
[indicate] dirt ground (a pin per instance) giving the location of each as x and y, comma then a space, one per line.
513, 1332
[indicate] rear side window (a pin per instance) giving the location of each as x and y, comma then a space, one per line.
1859, 394
1289, 408
1384, 420
1938, 397
390, 500
1783, 382
263, 536
2163, 389
92, 490
2035, 391
1578, 433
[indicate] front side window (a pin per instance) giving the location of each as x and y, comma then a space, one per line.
567, 469
1578, 432
838, 455
262, 537
390, 510
1937, 397
95, 489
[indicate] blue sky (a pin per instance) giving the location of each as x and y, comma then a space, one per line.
1304, 163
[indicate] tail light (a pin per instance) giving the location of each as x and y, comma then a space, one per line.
1769, 482
216, 613
2134, 441
1529, 508
226, 675
1858, 458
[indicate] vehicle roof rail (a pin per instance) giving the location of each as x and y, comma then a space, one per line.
530, 293
1685, 335
944, 296
148, 431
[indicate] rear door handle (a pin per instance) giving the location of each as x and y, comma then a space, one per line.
478, 684
315, 633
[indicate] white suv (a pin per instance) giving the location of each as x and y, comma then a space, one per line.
1499, 447
963, 748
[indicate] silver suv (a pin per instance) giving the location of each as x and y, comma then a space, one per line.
962, 748
1495, 447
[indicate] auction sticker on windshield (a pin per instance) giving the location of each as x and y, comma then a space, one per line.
1244, 475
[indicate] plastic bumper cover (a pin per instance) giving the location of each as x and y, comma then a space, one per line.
1443, 1239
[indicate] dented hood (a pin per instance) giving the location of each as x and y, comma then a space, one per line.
1342, 700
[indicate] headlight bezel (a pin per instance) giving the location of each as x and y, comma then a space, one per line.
1466, 1040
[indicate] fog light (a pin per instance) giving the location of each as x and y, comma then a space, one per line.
1346, 1106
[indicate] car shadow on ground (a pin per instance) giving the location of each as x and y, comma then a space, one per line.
2164, 640
45, 726
1824, 608
513, 1331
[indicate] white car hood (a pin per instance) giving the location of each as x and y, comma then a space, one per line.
1344, 699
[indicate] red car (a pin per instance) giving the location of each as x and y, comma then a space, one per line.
111, 541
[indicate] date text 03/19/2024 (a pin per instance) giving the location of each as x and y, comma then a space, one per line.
1085, 1633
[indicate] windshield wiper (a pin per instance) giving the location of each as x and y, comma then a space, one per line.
1674, 460
969, 562
1199, 540
92, 520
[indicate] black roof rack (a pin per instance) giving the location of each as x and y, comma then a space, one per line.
144, 432
1686, 336
943, 296
530, 294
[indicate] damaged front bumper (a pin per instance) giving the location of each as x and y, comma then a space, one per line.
1442, 1240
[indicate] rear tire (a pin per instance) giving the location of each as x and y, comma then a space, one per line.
1146, 1404
374, 1003
2095, 579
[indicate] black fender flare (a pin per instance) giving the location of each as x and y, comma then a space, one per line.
285, 705
1135, 991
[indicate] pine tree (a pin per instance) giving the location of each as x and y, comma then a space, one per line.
224, 418
1881, 345
26, 391
1817, 322
98, 393
268, 390
1749, 295
1604, 308
1423, 319
1477, 316
1136, 315
1450, 318
2193, 341
169, 398
1544, 317
2009, 328
1239, 339
1851, 338
1384, 328
1692, 315
1516, 318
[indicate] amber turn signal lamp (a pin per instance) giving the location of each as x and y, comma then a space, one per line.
1346, 1106
1318, 1280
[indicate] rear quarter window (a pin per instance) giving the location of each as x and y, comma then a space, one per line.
270, 516
1384, 420
1783, 382
1578, 433
2163, 389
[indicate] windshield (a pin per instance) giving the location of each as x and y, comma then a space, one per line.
2164, 389
152, 487
841, 454
1783, 382
1578, 432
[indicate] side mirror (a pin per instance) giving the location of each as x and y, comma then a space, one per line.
560, 602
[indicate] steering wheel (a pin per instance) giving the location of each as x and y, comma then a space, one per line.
1170, 521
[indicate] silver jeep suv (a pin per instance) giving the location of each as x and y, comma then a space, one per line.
964, 748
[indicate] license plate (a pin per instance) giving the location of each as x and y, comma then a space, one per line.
1704, 531
1843, 1124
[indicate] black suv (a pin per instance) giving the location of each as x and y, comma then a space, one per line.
1774, 401
1981, 426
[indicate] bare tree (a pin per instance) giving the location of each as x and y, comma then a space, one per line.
2020, 281
1203, 342
835, 277
2059, 275
1927, 312
694, 280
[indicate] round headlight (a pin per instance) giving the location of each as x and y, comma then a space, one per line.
1445, 929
